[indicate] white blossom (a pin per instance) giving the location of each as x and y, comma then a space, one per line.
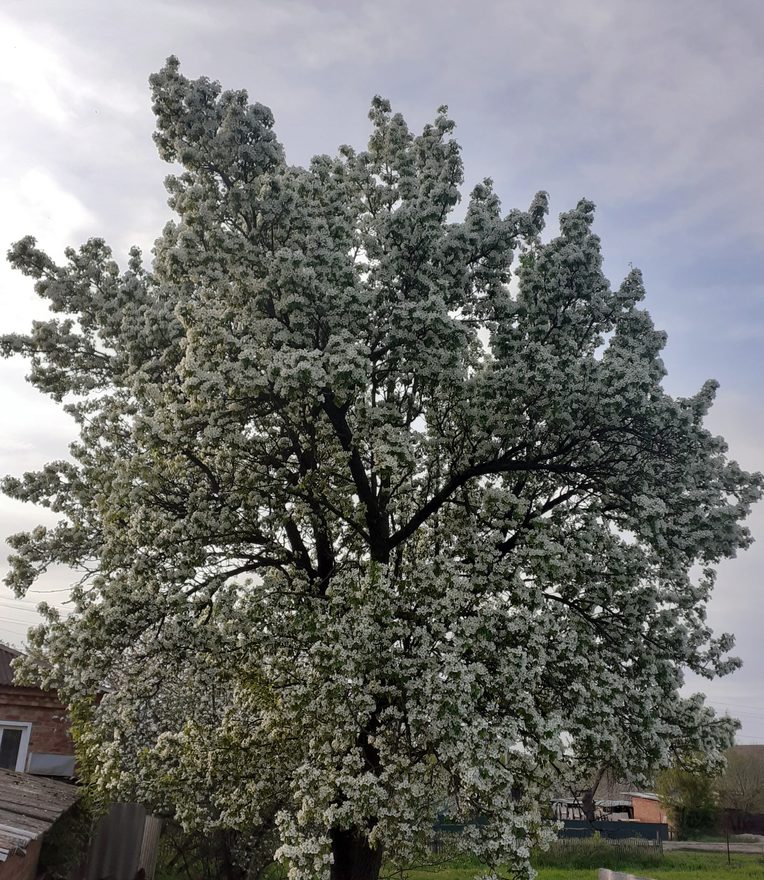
378, 513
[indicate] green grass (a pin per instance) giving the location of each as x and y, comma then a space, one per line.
674, 866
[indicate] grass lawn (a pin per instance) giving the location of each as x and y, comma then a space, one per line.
675, 866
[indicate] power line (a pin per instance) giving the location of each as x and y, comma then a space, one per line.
20, 621
16, 627
26, 610
736, 705
17, 622
742, 710
20, 610
29, 610
17, 600
737, 713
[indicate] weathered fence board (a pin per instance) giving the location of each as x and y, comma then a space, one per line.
125, 842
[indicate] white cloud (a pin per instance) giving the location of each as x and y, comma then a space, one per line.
42, 204
37, 77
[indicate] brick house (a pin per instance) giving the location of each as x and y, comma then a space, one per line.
646, 807
34, 727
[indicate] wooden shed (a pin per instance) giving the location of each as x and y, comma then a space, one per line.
29, 807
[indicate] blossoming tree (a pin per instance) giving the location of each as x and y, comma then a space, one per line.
376, 512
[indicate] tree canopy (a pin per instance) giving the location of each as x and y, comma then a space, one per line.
377, 511
688, 794
741, 786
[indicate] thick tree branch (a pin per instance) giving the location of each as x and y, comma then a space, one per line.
501, 465
377, 519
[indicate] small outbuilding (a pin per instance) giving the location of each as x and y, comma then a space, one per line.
646, 806
29, 807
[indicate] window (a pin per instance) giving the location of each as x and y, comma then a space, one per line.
14, 742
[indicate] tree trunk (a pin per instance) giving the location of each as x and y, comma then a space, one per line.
354, 859
229, 869
587, 805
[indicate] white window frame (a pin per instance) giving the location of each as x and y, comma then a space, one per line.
26, 732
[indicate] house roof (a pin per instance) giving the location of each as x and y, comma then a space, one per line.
6, 670
29, 805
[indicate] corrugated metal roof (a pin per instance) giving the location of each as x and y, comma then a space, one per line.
6, 656
29, 806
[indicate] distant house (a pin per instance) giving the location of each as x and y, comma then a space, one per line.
617, 811
34, 727
646, 807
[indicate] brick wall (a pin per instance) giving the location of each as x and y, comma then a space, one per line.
647, 809
22, 867
50, 725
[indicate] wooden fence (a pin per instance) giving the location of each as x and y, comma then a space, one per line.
124, 845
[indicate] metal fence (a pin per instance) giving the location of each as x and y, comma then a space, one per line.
615, 830
740, 822
124, 845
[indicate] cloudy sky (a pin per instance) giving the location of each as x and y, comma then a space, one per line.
652, 109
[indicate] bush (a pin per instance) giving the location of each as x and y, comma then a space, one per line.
216, 855
65, 845
694, 822
689, 798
